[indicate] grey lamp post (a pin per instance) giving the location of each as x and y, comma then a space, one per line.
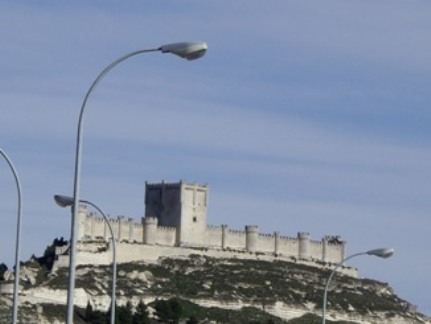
381, 253
187, 50
18, 239
65, 201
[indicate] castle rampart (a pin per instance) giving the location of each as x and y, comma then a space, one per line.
185, 226
267, 243
214, 236
329, 249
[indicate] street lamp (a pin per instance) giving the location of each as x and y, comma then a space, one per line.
18, 238
381, 253
187, 50
65, 201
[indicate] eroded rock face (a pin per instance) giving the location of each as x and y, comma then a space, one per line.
283, 289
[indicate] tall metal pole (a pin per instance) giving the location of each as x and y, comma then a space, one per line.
75, 206
17, 241
189, 51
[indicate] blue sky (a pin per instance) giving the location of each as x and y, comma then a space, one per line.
303, 116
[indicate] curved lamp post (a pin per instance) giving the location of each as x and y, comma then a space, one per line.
18, 239
187, 50
381, 253
65, 201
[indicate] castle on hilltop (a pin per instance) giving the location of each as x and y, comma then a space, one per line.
176, 216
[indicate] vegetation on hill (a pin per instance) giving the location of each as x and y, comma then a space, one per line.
200, 289
48, 258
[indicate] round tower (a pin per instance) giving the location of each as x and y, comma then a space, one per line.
150, 230
276, 242
251, 237
325, 249
120, 234
304, 245
82, 218
224, 230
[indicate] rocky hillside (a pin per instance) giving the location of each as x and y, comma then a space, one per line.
210, 290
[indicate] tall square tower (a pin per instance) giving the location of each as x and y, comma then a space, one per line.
181, 205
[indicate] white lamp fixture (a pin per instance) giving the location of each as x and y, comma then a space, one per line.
187, 50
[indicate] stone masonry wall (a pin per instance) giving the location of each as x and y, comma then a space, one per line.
329, 249
176, 215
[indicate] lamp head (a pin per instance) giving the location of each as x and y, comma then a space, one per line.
63, 201
187, 50
382, 252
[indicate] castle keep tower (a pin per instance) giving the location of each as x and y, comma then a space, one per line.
180, 205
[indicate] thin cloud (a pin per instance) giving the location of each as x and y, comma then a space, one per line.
311, 115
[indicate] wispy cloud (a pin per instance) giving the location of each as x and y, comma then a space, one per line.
310, 115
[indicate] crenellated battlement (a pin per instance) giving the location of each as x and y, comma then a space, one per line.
316, 242
269, 236
174, 184
214, 228
236, 232
166, 184
175, 216
166, 229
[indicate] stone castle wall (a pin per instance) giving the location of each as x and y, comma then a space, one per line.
176, 216
100, 253
329, 249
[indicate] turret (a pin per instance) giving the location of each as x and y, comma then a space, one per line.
82, 217
251, 238
303, 245
224, 231
276, 242
150, 230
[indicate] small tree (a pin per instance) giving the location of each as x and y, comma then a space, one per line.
94, 317
141, 315
177, 310
192, 320
3, 269
49, 255
124, 314
169, 311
